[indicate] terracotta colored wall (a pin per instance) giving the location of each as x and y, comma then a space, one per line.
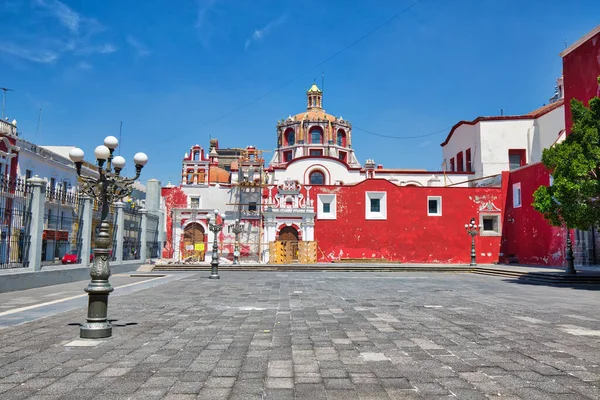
581, 68
408, 235
527, 237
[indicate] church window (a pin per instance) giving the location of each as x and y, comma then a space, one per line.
316, 152
490, 225
196, 156
317, 178
452, 164
252, 206
195, 202
290, 137
342, 156
190, 176
341, 138
459, 162
434, 206
468, 160
316, 135
326, 206
376, 205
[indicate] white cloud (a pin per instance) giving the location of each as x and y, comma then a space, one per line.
140, 49
37, 56
260, 34
105, 48
203, 21
75, 35
84, 66
67, 17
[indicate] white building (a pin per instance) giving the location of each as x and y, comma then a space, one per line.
487, 146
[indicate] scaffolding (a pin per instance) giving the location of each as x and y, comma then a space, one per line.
248, 195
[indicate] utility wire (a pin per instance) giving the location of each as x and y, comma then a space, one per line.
400, 137
372, 31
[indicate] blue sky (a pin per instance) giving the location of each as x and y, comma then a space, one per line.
178, 72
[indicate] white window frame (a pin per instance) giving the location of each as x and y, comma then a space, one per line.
497, 231
517, 195
382, 214
199, 201
323, 199
439, 206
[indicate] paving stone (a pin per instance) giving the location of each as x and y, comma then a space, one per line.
346, 335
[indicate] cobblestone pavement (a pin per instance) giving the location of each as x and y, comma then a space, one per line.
318, 336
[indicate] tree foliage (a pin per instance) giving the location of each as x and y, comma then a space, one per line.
573, 199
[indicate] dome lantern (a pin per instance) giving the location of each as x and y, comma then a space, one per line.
315, 97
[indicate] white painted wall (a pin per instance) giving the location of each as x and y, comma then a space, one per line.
546, 131
490, 141
334, 171
497, 137
464, 137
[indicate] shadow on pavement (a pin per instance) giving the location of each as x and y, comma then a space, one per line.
562, 281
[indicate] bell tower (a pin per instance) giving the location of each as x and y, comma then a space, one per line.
315, 98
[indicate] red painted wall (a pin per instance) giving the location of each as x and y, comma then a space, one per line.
581, 68
174, 196
408, 235
527, 237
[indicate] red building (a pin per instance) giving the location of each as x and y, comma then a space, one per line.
528, 238
581, 68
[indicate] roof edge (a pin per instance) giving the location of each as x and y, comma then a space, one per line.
580, 41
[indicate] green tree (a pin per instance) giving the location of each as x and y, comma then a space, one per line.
573, 200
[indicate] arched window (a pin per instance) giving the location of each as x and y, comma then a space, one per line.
190, 176
316, 178
196, 156
341, 138
290, 137
316, 135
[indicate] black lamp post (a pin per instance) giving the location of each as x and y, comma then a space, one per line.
215, 228
237, 229
472, 230
108, 187
569, 257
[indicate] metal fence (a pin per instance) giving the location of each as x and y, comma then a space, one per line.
15, 218
132, 229
152, 245
61, 237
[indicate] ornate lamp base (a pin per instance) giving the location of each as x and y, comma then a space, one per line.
97, 325
214, 273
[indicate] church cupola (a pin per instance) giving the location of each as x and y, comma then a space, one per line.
315, 97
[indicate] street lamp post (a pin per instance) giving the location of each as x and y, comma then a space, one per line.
108, 187
472, 230
237, 229
569, 258
215, 228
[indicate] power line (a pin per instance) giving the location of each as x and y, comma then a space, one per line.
400, 137
372, 31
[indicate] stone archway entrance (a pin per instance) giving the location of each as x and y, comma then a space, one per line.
193, 242
288, 233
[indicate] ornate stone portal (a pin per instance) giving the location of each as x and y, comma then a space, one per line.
289, 208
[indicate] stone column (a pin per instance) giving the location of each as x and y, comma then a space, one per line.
143, 234
120, 230
37, 203
86, 233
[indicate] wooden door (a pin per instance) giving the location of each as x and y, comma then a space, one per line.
193, 241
